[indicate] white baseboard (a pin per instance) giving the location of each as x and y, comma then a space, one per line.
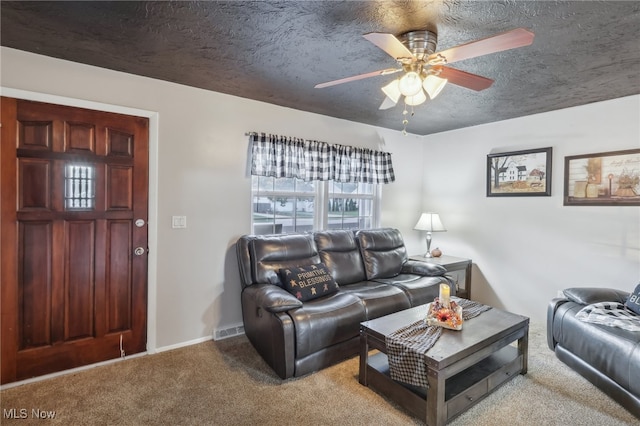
183, 344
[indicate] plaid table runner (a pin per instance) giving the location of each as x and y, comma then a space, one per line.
612, 314
407, 346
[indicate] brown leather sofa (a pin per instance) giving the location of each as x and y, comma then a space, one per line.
608, 357
375, 278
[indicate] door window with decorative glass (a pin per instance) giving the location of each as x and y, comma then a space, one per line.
79, 187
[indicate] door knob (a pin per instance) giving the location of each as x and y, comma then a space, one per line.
139, 251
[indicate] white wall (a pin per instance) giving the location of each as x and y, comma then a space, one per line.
201, 151
525, 249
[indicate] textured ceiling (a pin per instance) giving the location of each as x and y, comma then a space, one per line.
276, 51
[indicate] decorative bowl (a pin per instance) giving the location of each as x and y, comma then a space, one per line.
440, 316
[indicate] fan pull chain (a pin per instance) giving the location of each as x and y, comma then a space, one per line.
405, 121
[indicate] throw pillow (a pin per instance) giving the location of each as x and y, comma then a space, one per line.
633, 302
308, 282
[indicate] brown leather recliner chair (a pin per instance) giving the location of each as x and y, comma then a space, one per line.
375, 278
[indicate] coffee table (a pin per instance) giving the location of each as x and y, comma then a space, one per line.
462, 367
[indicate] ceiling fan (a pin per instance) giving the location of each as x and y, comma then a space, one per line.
425, 69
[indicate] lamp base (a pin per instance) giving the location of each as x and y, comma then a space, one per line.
428, 253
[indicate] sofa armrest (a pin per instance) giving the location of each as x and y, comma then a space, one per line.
272, 334
422, 268
589, 295
553, 306
272, 298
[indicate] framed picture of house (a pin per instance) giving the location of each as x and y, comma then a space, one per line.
519, 173
603, 179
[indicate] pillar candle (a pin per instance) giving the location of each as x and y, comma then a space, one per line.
444, 295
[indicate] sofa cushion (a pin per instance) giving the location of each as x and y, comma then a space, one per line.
378, 298
270, 253
339, 251
326, 321
419, 289
383, 252
633, 301
308, 282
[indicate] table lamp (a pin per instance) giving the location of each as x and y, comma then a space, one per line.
429, 222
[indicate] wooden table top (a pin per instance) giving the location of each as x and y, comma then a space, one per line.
481, 331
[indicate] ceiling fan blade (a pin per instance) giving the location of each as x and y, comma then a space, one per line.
387, 103
390, 44
464, 79
518, 37
358, 77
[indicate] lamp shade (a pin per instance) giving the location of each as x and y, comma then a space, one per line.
392, 91
429, 222
434, 85
410, 84
387, 103
416, 99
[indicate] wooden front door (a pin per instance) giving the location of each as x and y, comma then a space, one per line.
74, 237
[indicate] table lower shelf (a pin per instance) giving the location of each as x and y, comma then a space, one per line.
461, 390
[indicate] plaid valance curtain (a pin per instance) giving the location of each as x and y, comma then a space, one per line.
280, 156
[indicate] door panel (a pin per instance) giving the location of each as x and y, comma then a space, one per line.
80, 137
35, 288
119, 276
119, 184
72, 287
35, 135
79, 267
34, 177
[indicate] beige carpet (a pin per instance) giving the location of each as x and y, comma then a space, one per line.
227, 383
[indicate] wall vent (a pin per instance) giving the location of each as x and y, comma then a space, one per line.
225, 333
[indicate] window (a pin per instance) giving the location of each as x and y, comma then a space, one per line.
302, 185
79, 188
283, 205
350, 205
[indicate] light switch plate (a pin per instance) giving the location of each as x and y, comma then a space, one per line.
178, 221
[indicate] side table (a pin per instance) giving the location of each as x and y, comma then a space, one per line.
458, 268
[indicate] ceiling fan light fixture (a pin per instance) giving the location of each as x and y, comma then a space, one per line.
434, 85
387, 103
392, 91
410, 84
416, 99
